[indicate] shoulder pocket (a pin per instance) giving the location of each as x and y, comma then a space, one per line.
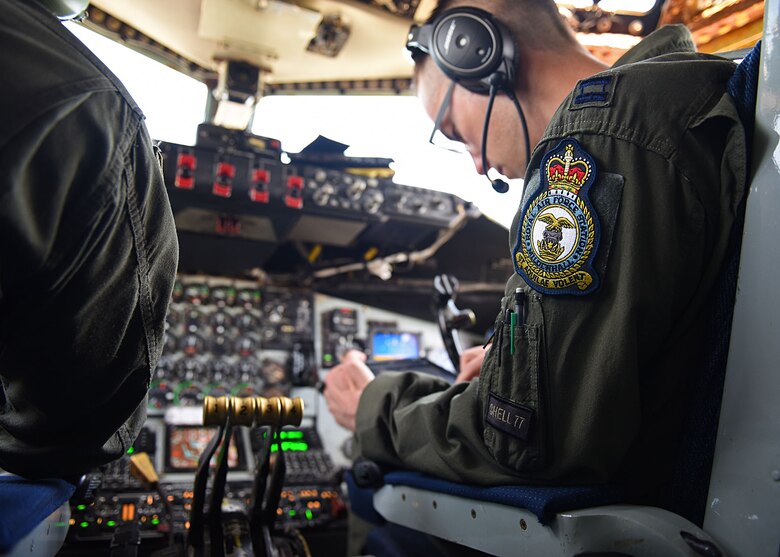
512, 390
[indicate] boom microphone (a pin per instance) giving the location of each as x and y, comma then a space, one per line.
499, 185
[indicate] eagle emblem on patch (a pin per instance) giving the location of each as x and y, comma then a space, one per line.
559, 230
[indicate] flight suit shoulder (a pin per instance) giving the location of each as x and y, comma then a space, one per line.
651, 103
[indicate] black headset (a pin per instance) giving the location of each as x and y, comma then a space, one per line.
470, 46
478, 52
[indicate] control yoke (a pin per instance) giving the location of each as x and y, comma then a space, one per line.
449, 317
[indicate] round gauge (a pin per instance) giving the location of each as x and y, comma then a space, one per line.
246, 322
220, 345
372, 201
273, 372
274, 312
248, 369
189, 394
267, 334
246, 346
160, 395
357, 188
249, 297
222, 370
223, 295
192, 344
220, 322
322, 195
196, 293
194, 320
189, 368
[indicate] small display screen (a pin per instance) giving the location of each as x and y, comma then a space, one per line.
395, 346
187, 443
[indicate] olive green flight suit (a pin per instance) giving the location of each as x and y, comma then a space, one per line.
593, 389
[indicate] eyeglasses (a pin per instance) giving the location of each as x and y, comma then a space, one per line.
438, 138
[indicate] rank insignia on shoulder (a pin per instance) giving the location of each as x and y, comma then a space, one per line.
559, 231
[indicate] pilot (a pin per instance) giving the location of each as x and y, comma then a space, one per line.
88, 250
635, 180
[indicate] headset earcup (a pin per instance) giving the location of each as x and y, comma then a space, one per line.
470, 46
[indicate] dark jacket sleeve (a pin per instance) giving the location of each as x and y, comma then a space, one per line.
88, 256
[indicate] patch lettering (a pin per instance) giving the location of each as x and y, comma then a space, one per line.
509, 417
559, 231
594, 92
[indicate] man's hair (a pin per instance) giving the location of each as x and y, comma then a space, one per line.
535, 24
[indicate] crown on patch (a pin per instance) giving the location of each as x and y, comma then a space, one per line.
568, 173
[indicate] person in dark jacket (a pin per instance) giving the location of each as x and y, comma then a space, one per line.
88, 251
632, 188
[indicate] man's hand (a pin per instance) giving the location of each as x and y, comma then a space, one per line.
471, 362
344, 385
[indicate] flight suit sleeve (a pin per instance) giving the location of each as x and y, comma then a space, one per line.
587, 384
88, 256
419, 422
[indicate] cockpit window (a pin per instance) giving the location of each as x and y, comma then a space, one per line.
173, 103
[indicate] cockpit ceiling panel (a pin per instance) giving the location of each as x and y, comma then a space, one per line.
273, 37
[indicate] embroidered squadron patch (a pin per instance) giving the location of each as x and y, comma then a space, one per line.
559, 230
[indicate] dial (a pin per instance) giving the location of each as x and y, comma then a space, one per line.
192, 344
249, 297
189, 394
223, 295
246, 346
196, 293
160, 395
223, 370
189, 368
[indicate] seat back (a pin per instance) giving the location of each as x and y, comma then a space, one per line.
744, 498
25, 507
687, 493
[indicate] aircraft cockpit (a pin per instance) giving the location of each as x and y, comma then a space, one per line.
317, 215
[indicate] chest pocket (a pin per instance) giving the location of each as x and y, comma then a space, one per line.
513, 388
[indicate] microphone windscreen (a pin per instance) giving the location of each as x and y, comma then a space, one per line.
500, 185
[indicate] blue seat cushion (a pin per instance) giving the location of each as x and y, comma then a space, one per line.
26, 503
543, 501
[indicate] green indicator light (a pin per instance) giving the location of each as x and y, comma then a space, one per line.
297, 446
275, 447
131, 450
155, 521
283, 435
309, 514
111, 523
328, 357
84, 524
294, 435
292, 513
81, 507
